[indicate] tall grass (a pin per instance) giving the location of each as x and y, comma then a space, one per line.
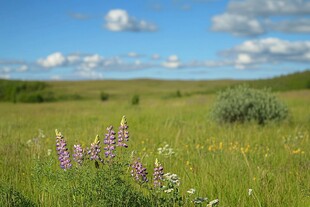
219, 161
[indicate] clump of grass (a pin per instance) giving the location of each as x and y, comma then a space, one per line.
12, 197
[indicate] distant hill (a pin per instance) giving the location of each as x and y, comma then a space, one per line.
35, 91
295, 81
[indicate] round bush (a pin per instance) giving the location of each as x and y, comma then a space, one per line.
104, 96
242, 104
135, 100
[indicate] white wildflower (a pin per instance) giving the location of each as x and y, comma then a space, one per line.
191, 191
250, 191
199, 200
166, 150
168, 190
213, 203
49, 152
29, 142
172, 178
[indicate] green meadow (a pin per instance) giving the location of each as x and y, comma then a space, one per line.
239, 164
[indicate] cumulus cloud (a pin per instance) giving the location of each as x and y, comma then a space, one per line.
73, 58
155, 57
247, 55
270, 7
172, 62
9, 67
79, 16
268, 50
292, 26
53, 60
91, 61
255, 17
133, 55
89, 75
5, 69
22, 68
56, 77
4, 76
118, 20
236, 24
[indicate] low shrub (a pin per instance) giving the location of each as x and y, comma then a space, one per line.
135, 100
241, 104
104, 96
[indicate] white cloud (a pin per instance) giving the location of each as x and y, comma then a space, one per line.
155, 56
172, 62
118, 20
270, 7
53, 60
22, 68
89, 75
95, 58
292, 26
91, 62
244, 58
79, 16
236, 24
247, 55
268, 50
56, 77
133, 55
73, 58
255, 17
5, 69
5, 76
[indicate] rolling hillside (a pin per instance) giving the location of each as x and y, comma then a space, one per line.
76, 90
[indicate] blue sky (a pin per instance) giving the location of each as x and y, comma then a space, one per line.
161, 39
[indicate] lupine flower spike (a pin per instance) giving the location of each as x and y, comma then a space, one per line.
139, 172
62, 151
78, 155
123, 134
95, 150
109, 141
158, 174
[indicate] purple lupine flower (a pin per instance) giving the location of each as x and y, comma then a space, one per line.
123, 134
78, 155
62, 151
139, 172
95, 150
109, 140
158, 174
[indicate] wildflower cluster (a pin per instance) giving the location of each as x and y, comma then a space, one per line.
109, 141
78, 155
62, 151
123, 134
172, 181
158, 174
139, 172
164, 187
95, 150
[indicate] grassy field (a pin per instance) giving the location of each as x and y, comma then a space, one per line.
219, 161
